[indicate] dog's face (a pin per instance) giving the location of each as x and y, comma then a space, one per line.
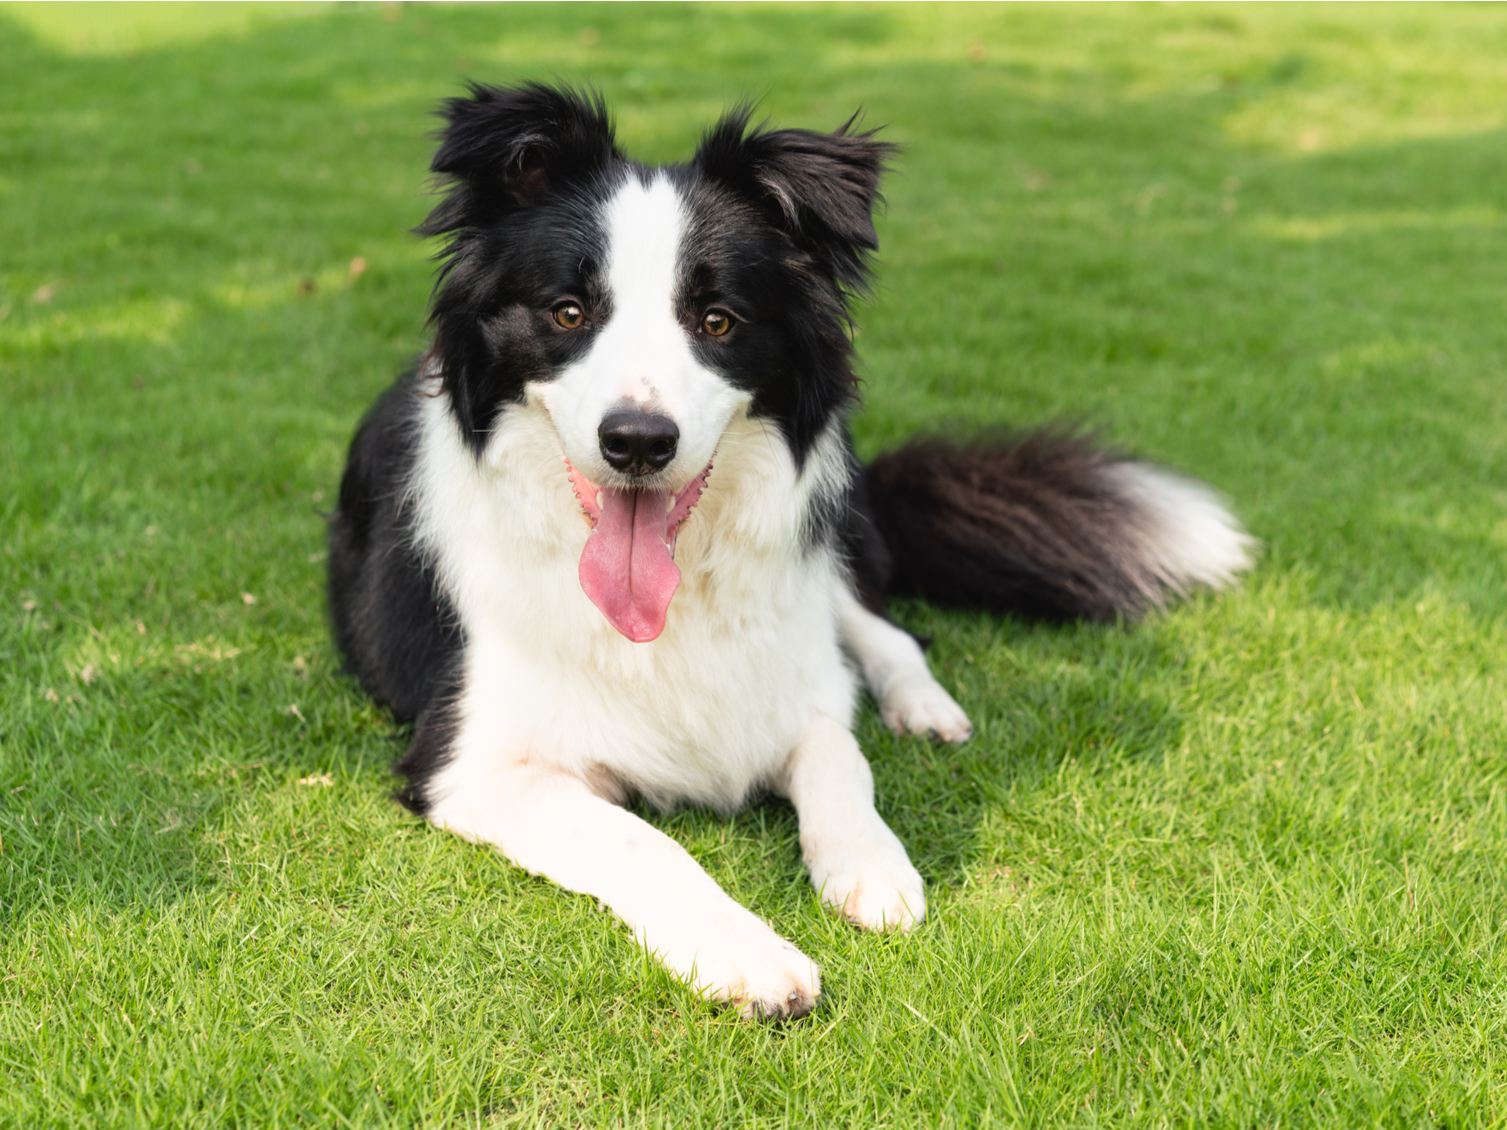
669, 340
643, 308
601, 286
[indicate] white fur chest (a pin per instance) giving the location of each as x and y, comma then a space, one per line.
705, 713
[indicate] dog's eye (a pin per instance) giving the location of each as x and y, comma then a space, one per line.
569, 316
716, 322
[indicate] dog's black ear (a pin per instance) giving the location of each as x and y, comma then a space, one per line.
819, 187
508, 148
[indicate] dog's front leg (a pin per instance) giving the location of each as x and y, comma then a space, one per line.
552, 824
911, 701
857, 864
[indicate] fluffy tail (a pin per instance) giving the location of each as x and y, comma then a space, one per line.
1048, 525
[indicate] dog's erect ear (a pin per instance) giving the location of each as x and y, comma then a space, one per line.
508, 148
819, 187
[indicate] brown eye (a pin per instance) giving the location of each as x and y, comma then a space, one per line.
716, 323
568, 316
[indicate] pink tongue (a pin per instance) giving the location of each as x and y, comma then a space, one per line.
626, 567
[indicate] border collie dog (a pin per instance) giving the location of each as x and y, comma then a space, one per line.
609, 539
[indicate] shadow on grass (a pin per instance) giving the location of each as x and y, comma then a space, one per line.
1044, 701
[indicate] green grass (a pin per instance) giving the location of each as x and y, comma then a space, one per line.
1243, 865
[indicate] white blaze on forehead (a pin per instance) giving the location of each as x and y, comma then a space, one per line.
644, 226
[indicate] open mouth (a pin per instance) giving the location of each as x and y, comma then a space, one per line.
628, 567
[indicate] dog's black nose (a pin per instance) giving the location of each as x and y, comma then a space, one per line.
636, 442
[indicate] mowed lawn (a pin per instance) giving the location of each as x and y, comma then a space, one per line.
1244, 864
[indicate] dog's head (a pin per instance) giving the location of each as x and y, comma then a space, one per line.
642, 307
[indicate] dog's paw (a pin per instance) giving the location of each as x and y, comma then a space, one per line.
769, 980
739, 961
892, 899
919, 705
776, 986
870, 882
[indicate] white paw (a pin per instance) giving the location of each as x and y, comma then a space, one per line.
735, 958
869, 880
894, 900
917, 704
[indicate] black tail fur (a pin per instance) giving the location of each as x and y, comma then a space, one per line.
1047, 525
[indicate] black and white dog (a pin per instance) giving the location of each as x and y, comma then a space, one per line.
610, 538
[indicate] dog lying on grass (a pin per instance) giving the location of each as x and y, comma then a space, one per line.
610, 538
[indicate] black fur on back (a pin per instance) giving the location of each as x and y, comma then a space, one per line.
392, 622
395, 626
868, 556
1034, 524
